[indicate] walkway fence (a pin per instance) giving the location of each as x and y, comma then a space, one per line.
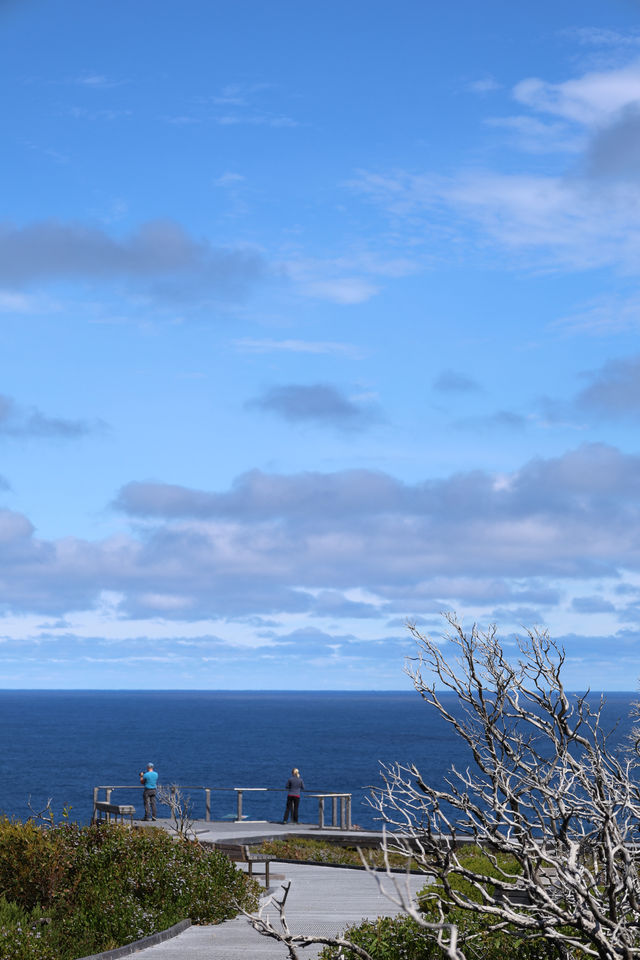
331, 804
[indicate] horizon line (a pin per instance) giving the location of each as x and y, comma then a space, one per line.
254, 690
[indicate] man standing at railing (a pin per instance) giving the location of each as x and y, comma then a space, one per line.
149, 780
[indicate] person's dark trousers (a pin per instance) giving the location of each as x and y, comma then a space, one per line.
292, 808
149, 797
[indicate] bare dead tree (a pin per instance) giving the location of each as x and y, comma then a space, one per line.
180, 808
633, 737
543, 788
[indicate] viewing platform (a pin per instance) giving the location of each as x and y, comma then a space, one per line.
333, 809
255, 832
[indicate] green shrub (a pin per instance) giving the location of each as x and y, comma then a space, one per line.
402, 938
70, 891
26, 868
23, 933
475, 859
389, 938
317, 851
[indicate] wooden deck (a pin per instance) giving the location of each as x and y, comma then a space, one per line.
254, 831
322, 901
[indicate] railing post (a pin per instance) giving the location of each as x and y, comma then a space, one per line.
239, 815
207, 804
334, 811
96, 792
108, 792
348, 811
342, 811
321, 813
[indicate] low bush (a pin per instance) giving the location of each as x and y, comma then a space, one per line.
71, 891
23, 933
476, 860
317, 851
402, 938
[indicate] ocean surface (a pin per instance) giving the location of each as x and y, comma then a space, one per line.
58, 745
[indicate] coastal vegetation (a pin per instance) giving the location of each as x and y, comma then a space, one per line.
403, 938
69, 891
331, 853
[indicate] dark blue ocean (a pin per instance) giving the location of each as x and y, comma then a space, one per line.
60, 744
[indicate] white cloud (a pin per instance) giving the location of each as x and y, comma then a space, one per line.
249, 345
228, 179
558, 222
349, 279
604, 315
539, 136
603, 37
345, 290
182, 120
166, 601
12, 302
256, 120
97, 81
485, 85
298, 559
587, 216
81, 113
589, 100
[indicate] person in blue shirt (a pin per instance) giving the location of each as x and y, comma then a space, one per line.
149, 780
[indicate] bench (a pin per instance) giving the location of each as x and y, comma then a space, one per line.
241, 853
102, 810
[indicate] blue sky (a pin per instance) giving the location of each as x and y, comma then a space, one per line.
315, 319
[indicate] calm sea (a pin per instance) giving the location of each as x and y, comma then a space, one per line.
60, 744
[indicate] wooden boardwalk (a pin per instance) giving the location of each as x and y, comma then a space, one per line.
322, 901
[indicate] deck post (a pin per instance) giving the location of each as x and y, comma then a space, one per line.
207, 804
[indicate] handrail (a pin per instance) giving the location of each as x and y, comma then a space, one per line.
334, 796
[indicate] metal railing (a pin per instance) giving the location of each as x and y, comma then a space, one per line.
339, 801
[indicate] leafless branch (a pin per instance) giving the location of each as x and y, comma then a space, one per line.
45, 816
554, 808
180, 807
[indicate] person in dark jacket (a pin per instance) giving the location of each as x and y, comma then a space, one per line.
293, 788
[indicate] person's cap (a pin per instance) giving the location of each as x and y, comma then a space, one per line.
149, 764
